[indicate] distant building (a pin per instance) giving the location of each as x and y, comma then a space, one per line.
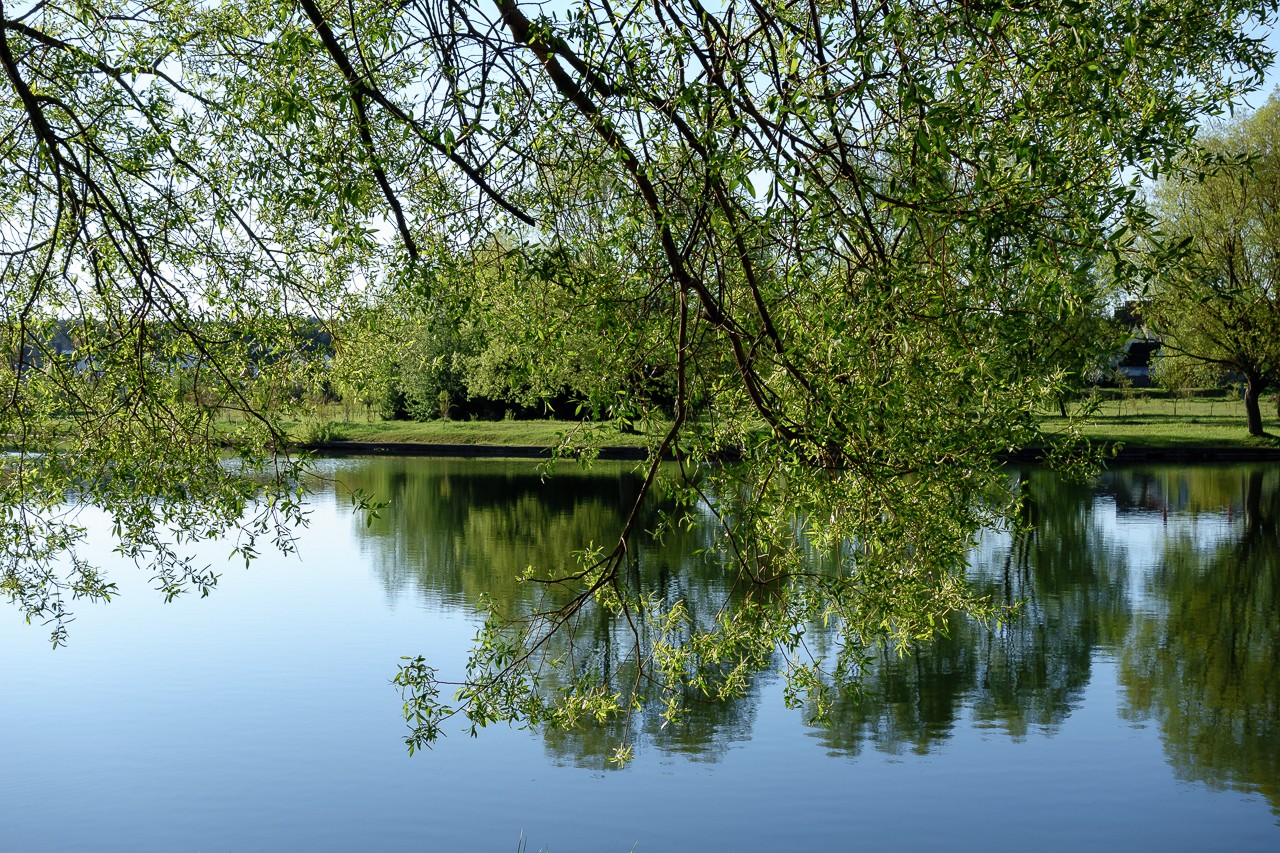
1134, 362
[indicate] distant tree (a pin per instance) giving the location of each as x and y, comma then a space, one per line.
1221, 306
363, 369
1181, 375
431, 360
1081, 343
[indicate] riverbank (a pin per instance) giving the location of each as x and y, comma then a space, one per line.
461, 451
1155, 427
1123, 453
473, 439
1137, 429
532, 433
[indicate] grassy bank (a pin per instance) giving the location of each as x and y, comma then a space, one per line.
1145, 420
1154, 421
543, 433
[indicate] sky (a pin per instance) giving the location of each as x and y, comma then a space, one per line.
1273, 76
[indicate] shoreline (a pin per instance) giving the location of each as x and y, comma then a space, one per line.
1131, 454
458, 451
1189, 454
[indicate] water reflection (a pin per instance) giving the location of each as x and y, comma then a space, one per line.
1172, 572
456, 530
1067, 580
1203, 662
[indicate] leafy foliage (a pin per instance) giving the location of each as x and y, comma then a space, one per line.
1220, 308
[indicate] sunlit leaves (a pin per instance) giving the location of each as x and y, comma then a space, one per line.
1218, 303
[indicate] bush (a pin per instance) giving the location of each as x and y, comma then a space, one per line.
320, 432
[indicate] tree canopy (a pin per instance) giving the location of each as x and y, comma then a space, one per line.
836, 232
1220, 308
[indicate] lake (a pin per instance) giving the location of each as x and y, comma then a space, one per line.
1134, 704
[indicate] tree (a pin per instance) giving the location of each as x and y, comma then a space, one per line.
832, 229
510, 329
363, 369
1221, 307
1180, 374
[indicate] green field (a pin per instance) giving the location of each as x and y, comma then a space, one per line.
1136, 420
539, 433
1152, 420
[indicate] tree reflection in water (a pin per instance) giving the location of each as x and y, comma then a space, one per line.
1068, 587
1202, 661
1196, 636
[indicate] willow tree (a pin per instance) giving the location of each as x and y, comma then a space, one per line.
1219, 309
836, 230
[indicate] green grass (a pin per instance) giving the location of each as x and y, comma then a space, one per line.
1139, 419
509, 433
1148, 420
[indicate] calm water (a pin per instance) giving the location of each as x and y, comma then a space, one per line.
1135, 705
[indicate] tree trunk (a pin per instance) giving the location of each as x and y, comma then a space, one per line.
1252, 389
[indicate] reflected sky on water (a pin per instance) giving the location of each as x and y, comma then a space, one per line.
1133, 702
